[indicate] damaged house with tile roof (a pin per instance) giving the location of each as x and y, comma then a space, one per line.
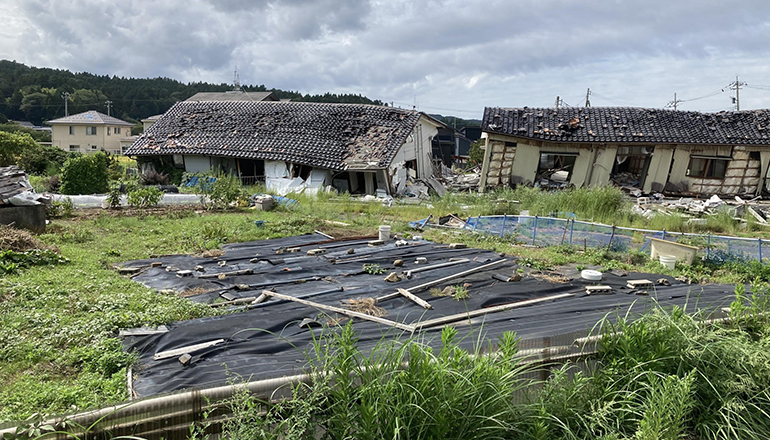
676, 152
294, 146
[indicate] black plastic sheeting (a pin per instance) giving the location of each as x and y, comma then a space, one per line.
265, 340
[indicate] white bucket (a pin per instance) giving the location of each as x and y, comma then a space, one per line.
668, 260
384, 232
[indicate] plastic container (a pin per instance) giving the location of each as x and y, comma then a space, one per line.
668, 260
591, 275
384, 232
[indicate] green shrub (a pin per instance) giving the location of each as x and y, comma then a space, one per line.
144, 197
114, 196
85, 175
43, 161
220, 191
60, 208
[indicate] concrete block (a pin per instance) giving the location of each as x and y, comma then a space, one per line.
24, 217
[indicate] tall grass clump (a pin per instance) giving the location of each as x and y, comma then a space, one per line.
602, 204
668, 376
398, 391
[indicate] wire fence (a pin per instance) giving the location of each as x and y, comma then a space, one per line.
549, 231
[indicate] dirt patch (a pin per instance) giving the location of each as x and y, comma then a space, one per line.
366, 306
19, 240
551, 277
209, 253
196, 291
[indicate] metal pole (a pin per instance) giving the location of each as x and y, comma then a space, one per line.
534, 232
708, 246
760, 250
502, 229
571, 229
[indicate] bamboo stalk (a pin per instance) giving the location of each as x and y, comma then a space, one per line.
415, 298
352, 314
473, 313
439, 281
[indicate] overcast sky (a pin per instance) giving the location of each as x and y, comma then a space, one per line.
449, 57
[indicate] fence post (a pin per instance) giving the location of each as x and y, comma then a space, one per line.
760, 250
534, 232
708, 246
571, 229
502, 229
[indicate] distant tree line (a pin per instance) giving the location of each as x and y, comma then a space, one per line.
35, 94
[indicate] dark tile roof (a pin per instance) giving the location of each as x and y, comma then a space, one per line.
233, 95
630, 125
334, 136
91, 117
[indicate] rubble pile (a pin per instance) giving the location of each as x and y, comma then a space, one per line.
15, 189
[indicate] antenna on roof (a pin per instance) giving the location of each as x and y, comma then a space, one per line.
236, 80
674, 103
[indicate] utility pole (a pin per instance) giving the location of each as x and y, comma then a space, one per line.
109, 107
588, 94
558, 101
737, 87
66, 97
674, 103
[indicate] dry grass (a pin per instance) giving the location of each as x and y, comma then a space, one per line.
19, 240
551, 277
366, 306
196, 291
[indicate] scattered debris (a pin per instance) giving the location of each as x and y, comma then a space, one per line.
663, 282
551, 277
19, 240
593, 290
16, 190
398, 263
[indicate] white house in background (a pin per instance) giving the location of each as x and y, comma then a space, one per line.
89, 132
294, 146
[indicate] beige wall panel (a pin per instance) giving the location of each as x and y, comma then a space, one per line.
659, 165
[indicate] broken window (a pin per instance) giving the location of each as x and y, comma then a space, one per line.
555, 168
631, 165
707, 167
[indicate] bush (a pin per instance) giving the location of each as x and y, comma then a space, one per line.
52, 184
114, 196
152, 177
60, 208
144, 197
476, 154
85, 174
43, 161
13, 146
218, 192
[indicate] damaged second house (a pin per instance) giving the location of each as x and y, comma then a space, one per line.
644, 150
294, 146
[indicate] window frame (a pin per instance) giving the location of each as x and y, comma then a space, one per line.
91, 130
708, 167
72, 130
74, 149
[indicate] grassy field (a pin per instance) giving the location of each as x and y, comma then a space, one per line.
59, 322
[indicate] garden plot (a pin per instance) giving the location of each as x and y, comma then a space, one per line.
285, 291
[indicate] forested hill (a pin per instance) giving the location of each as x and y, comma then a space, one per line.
35, 94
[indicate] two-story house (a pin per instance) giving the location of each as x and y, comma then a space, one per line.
89, 132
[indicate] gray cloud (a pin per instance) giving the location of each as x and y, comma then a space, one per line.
450, 54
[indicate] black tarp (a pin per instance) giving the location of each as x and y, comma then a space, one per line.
265, 341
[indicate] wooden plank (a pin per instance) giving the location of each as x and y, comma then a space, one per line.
227, 274
415, 298
188, 349
436, 266
441, 280
479, 312
352, 314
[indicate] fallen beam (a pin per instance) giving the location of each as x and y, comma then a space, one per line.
479, 312
415, 298
350, 313
227, 274
436, 266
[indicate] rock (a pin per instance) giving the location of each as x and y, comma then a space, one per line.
515, 277
398, 263
467, 285
242, 287
221, 276
199, 269
185, 359
392, 278
663, 282
351, 251
448, 291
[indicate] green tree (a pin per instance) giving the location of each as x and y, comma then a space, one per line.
85, 174
476, 154
13, 146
